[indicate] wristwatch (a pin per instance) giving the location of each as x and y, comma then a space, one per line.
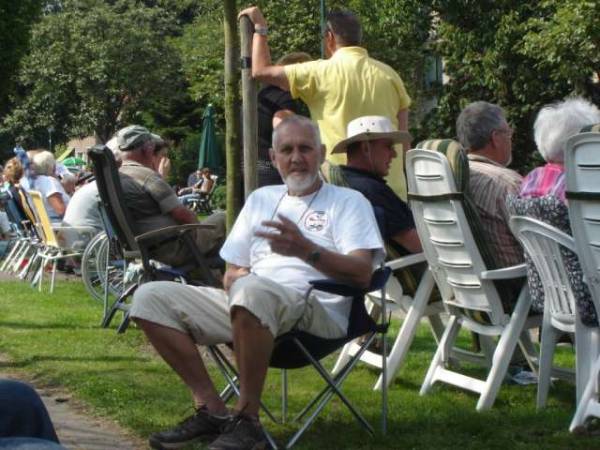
314, 256
262, 30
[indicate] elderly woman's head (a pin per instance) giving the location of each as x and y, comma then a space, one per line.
13, 171
557, 122
43, 163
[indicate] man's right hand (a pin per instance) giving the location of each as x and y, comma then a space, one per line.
255, 15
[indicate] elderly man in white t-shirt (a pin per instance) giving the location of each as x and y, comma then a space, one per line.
285, 236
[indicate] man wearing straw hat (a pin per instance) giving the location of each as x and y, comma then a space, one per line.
369, 146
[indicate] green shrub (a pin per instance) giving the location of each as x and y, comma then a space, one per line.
219, 197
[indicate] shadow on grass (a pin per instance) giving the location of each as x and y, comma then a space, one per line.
38, 359
43, 326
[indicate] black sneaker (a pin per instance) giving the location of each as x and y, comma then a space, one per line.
242, 432
200, 425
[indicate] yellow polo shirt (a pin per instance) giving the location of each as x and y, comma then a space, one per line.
346, 86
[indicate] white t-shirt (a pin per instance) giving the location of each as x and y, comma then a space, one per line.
335, 218
84, 208
47, 186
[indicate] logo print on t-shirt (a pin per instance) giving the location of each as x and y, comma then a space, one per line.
316, 221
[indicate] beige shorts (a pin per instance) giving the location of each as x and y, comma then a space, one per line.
203, 312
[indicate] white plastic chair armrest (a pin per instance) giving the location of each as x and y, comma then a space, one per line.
505, 273
406, 261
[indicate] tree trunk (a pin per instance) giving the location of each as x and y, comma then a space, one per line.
232, 105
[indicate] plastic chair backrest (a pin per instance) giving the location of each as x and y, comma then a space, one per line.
44, 220
448, 243
582, 165
111, 196
35, 225
543, 242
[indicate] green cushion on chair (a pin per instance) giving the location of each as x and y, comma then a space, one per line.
591, 128
457, 158
336, 176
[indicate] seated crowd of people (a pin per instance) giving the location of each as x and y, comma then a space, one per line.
302, 227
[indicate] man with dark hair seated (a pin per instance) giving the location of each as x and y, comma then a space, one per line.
369, 146
285, 236
154, 204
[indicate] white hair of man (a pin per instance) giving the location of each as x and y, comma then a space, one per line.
299, 120
43, 163
559, 121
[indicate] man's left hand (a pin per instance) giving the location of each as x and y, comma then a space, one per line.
289, 241
255, 15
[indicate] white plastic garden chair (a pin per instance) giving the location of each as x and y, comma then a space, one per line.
466, 284
543, 243
582, 164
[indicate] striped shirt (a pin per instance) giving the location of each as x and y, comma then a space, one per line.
489, 185
546, 180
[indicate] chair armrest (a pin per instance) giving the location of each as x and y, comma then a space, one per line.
505, 273
378, 280
335, 287
406, 261
169, 232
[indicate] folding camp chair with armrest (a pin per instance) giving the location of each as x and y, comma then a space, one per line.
137, 247
582, 164
464, 278
297, 349
60, 242
22, 240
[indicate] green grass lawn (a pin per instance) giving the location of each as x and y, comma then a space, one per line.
56, 340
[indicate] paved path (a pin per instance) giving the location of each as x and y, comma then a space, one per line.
80, 431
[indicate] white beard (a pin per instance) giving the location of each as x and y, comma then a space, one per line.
300, 185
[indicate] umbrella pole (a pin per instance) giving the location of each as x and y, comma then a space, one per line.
249, 108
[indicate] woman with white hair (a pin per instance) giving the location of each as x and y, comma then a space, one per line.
542, 194
554, 125
44, 181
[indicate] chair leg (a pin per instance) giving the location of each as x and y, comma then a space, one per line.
504, 350
588, 404
547, 346
53, 277
284, 396
408, 330
437, 363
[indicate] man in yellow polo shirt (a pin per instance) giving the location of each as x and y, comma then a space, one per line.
347, 85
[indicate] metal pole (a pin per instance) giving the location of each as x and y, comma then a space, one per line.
322, 29
50, 130
249, 107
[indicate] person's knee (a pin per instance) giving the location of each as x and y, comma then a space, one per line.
18, 395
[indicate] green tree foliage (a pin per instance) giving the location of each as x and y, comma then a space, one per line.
395, 31
94, 66
16, 20
522, 56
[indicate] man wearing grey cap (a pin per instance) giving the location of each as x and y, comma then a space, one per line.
153, 203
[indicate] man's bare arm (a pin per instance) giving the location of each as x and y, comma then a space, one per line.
403, 126
262, 68
409, 239
355, 268
183, 216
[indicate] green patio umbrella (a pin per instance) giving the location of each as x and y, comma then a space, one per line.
74, 161
210, 151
